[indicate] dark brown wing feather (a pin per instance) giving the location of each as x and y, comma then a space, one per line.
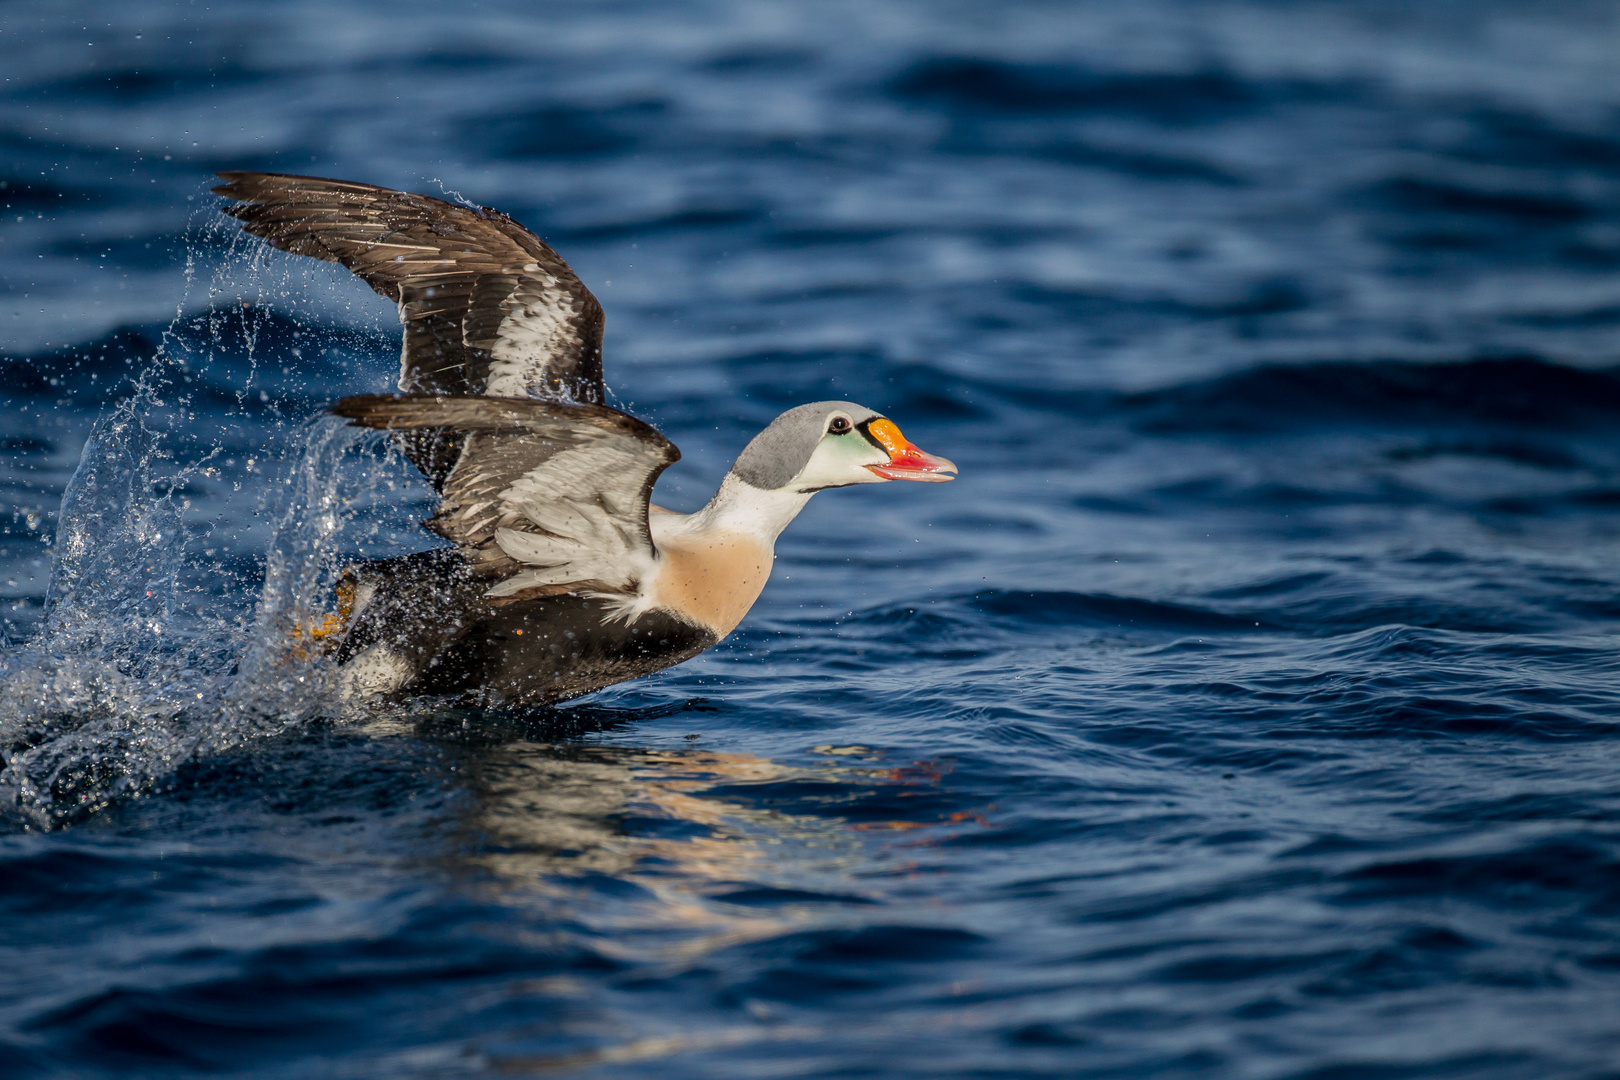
488, 307
575, 479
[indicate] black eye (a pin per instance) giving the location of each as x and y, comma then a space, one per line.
839, 425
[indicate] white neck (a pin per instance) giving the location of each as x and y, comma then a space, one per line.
742, 508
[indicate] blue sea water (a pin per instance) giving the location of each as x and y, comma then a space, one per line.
1247, 709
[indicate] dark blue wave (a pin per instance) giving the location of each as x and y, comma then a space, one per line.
958, 83
1507, 392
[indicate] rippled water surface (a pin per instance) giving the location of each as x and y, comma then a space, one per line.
1248, 708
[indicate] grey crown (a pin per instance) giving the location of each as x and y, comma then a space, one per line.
776, 455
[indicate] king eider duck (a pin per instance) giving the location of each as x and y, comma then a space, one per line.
564, 578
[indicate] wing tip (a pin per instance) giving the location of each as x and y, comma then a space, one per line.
368, 410
239, 183
235, 181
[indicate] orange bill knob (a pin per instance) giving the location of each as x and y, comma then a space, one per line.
906, 462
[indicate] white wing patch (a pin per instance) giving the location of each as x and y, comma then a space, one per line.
583, 526
552, 495
538, 323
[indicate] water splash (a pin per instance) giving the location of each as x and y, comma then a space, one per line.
162, 641
281, 667
144, 661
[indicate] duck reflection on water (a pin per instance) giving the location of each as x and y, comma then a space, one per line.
686, 850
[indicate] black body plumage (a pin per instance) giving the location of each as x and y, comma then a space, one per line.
430, 613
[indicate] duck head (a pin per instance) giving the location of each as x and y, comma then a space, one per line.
829, 444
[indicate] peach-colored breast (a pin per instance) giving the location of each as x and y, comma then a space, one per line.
713, 580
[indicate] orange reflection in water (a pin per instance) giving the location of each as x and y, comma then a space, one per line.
546, 815
686, 828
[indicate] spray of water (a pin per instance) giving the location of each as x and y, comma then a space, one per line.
161, 642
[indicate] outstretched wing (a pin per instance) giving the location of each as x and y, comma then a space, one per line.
550, 497
488, 307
